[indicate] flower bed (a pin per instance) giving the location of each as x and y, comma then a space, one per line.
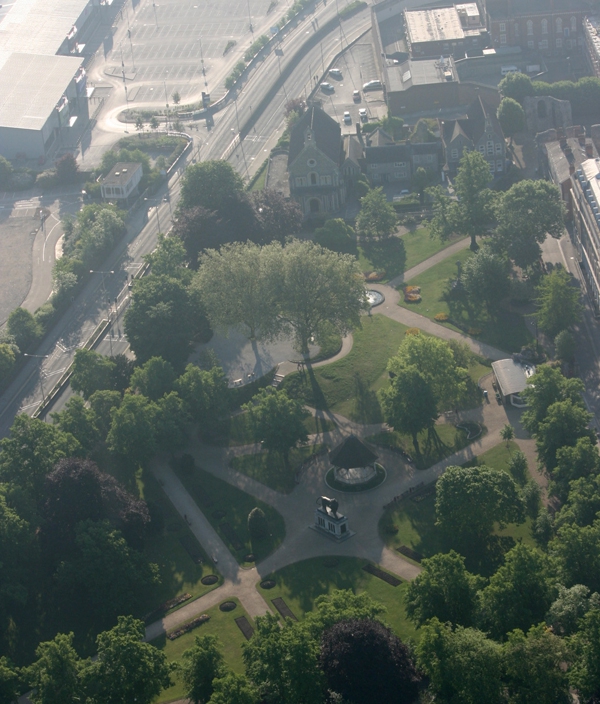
374, 276
186, 628
412, 298
413, 331
167, 606
441, 317
412, 289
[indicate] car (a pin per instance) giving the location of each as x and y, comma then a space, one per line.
362, 113
336, 73
327, 88
347, 118
373, 85
356, 96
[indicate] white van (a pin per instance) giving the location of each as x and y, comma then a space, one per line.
505, 70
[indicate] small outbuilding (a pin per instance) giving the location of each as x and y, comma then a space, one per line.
122, 181
353, 461
511, 377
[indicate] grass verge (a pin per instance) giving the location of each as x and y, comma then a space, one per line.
227, 509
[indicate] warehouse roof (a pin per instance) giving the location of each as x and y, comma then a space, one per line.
439, 24
26, 101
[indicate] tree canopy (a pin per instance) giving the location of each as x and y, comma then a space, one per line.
558, 303
209, 184
511, 117
377, 218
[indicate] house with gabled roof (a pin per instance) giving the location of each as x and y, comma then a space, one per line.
478, 130
315, 161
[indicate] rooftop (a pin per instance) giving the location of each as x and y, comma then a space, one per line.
121, 173
26, 101
512, 376
507, 9
419, 72
564, 156
326, 131
439, 24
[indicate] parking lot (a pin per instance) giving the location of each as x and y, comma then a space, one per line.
357, 66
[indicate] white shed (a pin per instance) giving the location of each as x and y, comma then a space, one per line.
512, 379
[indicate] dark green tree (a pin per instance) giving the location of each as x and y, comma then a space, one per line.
533, 667
277, 421
200, 665
154, 378
10, 685
471, 501
132, 433
20, 559
377, 219
101, 405
582, 504
517, 86
444, 589
511, 117
409, 404
258, 526
157, 322
573, 463
233, 689
79, 421
24, 328
519, 593
558, 305
209, 184
127, 669
565, 423
169, 258
67, 169
55, 675
7, 360
6, 170
91, 372
569, 607
206, 396
518, 468
584, 674
526, 214
485, 278
172, 423
577, 552
565, 346
336, 235
462, 664
278, 217
365, 662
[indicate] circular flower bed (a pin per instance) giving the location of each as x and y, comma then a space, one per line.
267, 583
209, 579
228, 606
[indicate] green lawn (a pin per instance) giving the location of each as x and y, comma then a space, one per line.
269, 468
349, 385
222, 504
452, 440
261, 178
178, 571
412, 523
398, 254
508, 332
221, 624
301, 583
240, 428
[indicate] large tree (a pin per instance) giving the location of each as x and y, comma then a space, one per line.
9, 681
199, 229
277, 421
377, 218
154, 378
472, 212
444, 589
157, 322
206, 396
577, 552
519, 593
585, 668
132, 431
18, 549
279, 217
365, 662
569, 607
78, 420
320, 291
91, 372
336, 235
24, 328
55, 675
239, 287
526, 214
462, 664
534, 667
517, 86
172, 423
200, 665
564, 424
573, 463
409, 404
511, 117
169, 258
558, 303
127, 669
485, 277
233, 689
209, 184
583, 502
471, 501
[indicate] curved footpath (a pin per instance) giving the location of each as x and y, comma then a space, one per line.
297, 508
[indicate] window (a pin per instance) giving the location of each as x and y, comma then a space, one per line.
573, 24
399, 175
558, 42
503, 39
498, 148
399, 164
373, 167
429, 158
325, 180
559, 25
530, 44
491, 165
529, 28
544, 26
566, 31
313, 179
499, 165
490, 148
300, 181
454, 154
543, 44
502, 27
482, 148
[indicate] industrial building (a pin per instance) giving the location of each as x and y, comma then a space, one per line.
444, 31
43, 91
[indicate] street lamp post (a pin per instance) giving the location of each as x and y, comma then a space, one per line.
41, 357
106, 301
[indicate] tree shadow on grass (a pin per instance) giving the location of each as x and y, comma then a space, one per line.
366, 405
388, 254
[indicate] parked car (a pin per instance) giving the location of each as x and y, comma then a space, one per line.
356, 96
327, 88
362, 113
347, 118
336, 73
373, 85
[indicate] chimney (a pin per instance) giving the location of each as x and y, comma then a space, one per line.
589, 150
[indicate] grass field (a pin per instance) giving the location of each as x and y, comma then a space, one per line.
412, 523
301, 583
269, 468
223, 504
221, 625
241, 432
452, 440
507, 332
398, 254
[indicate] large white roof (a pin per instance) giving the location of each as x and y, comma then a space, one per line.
439, 24
512, 376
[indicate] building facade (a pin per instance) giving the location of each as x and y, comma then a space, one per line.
552, 27
122, 182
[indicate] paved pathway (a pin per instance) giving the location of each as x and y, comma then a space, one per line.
431, 261
363, 509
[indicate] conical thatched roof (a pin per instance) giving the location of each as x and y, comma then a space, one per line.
351, 453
